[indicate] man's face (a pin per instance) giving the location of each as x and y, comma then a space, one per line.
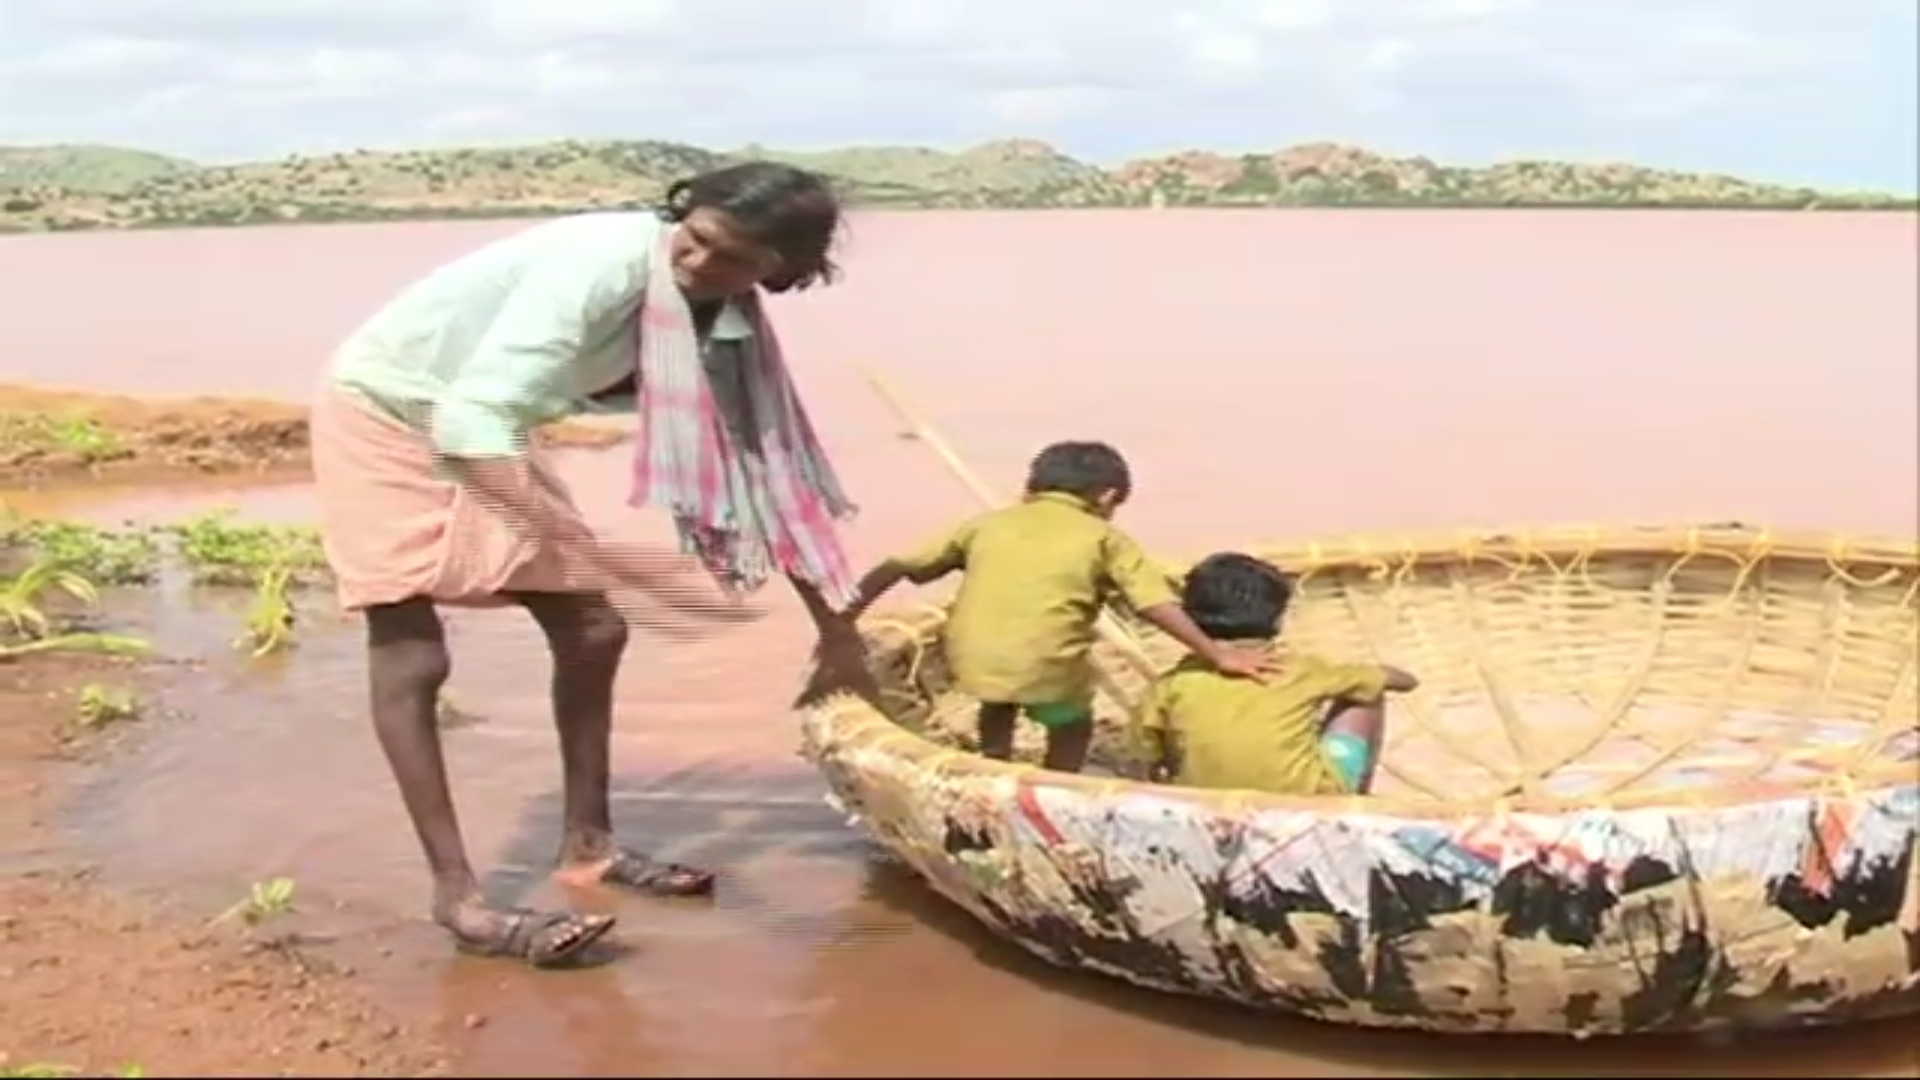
712, 262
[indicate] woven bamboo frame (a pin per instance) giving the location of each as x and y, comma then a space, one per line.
1799, 626
1776, 887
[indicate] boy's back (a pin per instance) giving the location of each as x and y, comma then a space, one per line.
1035, 575
1237, 733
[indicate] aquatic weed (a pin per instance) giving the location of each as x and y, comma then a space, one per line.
101, 705
26, 627
23, 597
221, 551
264, 900
27, 436
129, 556
41, 1070
270, 618
111, 644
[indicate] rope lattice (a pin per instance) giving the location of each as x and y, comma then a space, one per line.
1562, 667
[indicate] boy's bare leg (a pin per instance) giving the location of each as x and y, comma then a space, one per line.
1366, 721
1068, 745
996, 729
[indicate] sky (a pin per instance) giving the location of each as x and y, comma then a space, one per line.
1806, 91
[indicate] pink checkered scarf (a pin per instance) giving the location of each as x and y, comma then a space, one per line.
725, 446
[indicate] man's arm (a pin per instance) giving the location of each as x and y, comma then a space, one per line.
818, 609
481, 422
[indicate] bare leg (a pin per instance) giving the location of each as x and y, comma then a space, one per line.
1366, 722
1068, 745
407, 664
588, 638
996, 729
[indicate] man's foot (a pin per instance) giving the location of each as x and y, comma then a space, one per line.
627, 869
540, 938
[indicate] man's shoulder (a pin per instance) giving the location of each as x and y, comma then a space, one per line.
591, 239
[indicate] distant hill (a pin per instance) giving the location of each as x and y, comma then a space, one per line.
91, 169
81, 187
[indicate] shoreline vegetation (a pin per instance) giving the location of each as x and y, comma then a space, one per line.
84, 187
104, 981
61, 437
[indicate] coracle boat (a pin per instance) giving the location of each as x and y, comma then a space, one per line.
1654, 780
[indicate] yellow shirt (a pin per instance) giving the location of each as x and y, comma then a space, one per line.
1036, 576
1240, 734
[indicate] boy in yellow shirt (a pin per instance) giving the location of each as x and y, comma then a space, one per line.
1313, 728
1021, 628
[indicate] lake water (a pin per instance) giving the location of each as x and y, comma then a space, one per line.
1270, 374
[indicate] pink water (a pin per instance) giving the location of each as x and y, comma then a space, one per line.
1270, 374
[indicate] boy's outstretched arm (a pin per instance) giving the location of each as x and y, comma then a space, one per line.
923, 565
873, 585
1151, 596
1172, 620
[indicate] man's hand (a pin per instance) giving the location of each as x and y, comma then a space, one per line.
839, 664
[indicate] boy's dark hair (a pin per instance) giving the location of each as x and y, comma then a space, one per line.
1085, 469
1229, 595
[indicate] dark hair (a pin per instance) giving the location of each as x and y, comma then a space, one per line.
1229, 595
1086, 469
792, 211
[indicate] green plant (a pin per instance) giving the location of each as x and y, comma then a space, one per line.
73, 435
43, 1069
112, 644
221, 551
270, 617
103, 705
23, 594
265, 900
104, 556
26, 622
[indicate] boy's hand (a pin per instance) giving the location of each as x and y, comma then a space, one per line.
1244, 663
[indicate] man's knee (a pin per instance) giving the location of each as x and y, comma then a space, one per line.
599, 630
408, 648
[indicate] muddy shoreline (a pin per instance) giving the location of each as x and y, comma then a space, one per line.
101, 981
54, 437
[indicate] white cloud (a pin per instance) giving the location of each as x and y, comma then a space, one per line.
1777, 87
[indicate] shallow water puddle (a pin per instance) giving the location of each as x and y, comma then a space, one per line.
818, 958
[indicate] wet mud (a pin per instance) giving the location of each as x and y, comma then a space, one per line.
99, 980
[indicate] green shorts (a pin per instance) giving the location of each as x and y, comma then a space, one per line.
1347, 754
1058, 714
